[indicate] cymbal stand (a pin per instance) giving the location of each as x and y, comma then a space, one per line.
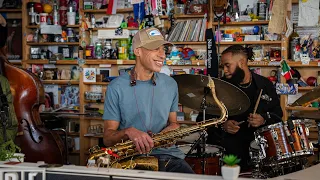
318, 141
202, 138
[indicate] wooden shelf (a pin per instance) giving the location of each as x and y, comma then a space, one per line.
250, 42
15, 62
308, 88
53, 43
94, 101
44, 61
132, 62
38, 26
11, 10
231, 42
129, 28
189, 16
107, 61
300, 108
96, 83
314, 63
93, 118
73, 134
60, 82
241, 23
126, 10
164, 17
191, 43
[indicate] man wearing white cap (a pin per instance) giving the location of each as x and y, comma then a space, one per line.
144, 102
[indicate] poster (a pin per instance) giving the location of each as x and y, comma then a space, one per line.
69, 96
89, 74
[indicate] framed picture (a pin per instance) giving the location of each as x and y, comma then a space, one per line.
67, 52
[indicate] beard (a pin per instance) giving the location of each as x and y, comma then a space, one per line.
237, 77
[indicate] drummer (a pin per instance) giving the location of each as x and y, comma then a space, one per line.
236, 134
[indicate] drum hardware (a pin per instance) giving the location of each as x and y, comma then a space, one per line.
200, 144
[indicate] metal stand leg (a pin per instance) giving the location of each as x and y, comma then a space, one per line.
318, 141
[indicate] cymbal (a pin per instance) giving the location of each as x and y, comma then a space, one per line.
191, 92
308, 115
307, 97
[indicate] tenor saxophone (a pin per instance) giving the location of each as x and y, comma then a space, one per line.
123, 155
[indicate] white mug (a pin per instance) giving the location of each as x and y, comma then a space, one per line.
43, 18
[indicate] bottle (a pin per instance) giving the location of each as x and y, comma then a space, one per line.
123, 49
132, 56
55, 14
98, 50
318, 78
108, 49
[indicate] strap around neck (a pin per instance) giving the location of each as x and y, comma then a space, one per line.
133, 80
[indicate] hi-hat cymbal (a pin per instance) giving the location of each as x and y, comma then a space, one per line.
309, 96
191, 92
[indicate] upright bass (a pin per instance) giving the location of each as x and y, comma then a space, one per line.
35, 141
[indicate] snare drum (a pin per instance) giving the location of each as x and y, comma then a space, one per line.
212, 158
277, 146
300, 135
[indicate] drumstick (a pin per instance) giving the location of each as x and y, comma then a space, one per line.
257, 104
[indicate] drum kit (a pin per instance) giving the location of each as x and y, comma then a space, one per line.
276, 150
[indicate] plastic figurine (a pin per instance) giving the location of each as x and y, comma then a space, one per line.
273, 76
315, 48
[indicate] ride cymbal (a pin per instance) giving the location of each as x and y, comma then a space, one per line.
307, 97
192, 90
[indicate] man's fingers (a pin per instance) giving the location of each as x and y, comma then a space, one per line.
142, 147
146, 145
150, 141
136, 142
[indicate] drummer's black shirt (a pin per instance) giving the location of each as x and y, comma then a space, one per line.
239, 143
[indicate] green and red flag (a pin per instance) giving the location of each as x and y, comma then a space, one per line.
286, 71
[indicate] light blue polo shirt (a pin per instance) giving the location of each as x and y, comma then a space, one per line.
123, 103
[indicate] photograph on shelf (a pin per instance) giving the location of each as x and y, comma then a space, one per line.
55, 90
14, 45
286, 89
75, 73
89, 74
69, 96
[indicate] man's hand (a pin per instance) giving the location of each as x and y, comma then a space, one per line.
255, 120
172, 126
142, 140
231, 126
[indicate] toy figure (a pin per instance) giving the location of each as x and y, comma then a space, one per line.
315, 48
273, 76
307, 41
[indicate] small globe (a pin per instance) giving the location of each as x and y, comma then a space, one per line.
47, 8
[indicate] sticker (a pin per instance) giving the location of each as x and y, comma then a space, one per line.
119, 62
191, 95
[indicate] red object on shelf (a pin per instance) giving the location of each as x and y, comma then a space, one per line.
63, 12
311, 81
